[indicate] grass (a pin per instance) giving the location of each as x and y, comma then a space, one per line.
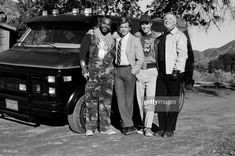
223, 146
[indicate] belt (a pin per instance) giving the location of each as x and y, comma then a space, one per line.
120, 66
150, 65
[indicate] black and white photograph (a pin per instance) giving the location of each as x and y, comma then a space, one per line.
117, 77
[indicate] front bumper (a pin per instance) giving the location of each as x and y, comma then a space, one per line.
29, 109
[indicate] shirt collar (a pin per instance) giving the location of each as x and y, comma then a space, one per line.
174, 30
125, 37
149, 33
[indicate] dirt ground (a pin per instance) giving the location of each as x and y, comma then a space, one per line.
206, 126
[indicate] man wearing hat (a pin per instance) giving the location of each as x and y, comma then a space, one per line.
147, 76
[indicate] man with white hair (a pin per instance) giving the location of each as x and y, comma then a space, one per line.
172, 55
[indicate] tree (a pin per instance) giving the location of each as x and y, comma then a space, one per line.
26, 9
227, 62
216, 64
232, 63
194, 12
2, 2
128, 8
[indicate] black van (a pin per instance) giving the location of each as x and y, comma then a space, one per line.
40, 76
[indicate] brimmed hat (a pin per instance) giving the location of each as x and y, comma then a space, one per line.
145, 18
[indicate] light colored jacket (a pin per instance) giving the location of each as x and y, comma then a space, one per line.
176, 51
134, 53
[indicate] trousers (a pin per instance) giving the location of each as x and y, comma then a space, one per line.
145, 91
98, 95
124, 83
169, 90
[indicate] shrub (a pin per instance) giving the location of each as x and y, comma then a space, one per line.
217, 76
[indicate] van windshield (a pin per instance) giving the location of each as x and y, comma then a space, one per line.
63, 35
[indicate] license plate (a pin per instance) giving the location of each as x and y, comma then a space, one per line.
12, 104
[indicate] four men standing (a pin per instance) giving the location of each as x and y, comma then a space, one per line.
159, 59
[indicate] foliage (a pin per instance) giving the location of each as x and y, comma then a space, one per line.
224, 62
119, 7
128, 8
217, 76
203, 76
215, 65
27, 11
222, 76
200, 68
24, 10
195, 12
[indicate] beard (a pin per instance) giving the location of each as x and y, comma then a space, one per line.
104, 31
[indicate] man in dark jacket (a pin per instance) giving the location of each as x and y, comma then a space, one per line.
172, 55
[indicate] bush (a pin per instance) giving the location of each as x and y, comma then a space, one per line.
217, 76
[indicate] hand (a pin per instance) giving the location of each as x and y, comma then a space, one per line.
90, 32
85, 73
175, 74
115, 35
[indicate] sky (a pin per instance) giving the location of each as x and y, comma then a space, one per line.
212, 38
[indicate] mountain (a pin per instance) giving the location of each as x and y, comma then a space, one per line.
204, 57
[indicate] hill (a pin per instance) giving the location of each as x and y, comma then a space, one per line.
204, 57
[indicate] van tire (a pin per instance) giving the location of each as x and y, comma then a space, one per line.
182, 95
76, 120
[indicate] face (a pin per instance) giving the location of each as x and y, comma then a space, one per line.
124, 29
105, 25
146, 27
169, 21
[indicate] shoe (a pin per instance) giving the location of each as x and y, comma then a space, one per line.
89, 133
161, 133
124, 130
141, 131
169, 133
148, 132
109, 132
129, 130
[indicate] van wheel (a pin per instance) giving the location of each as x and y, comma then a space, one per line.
182, 95
77, 119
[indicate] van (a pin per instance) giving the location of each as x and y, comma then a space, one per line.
40, 76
